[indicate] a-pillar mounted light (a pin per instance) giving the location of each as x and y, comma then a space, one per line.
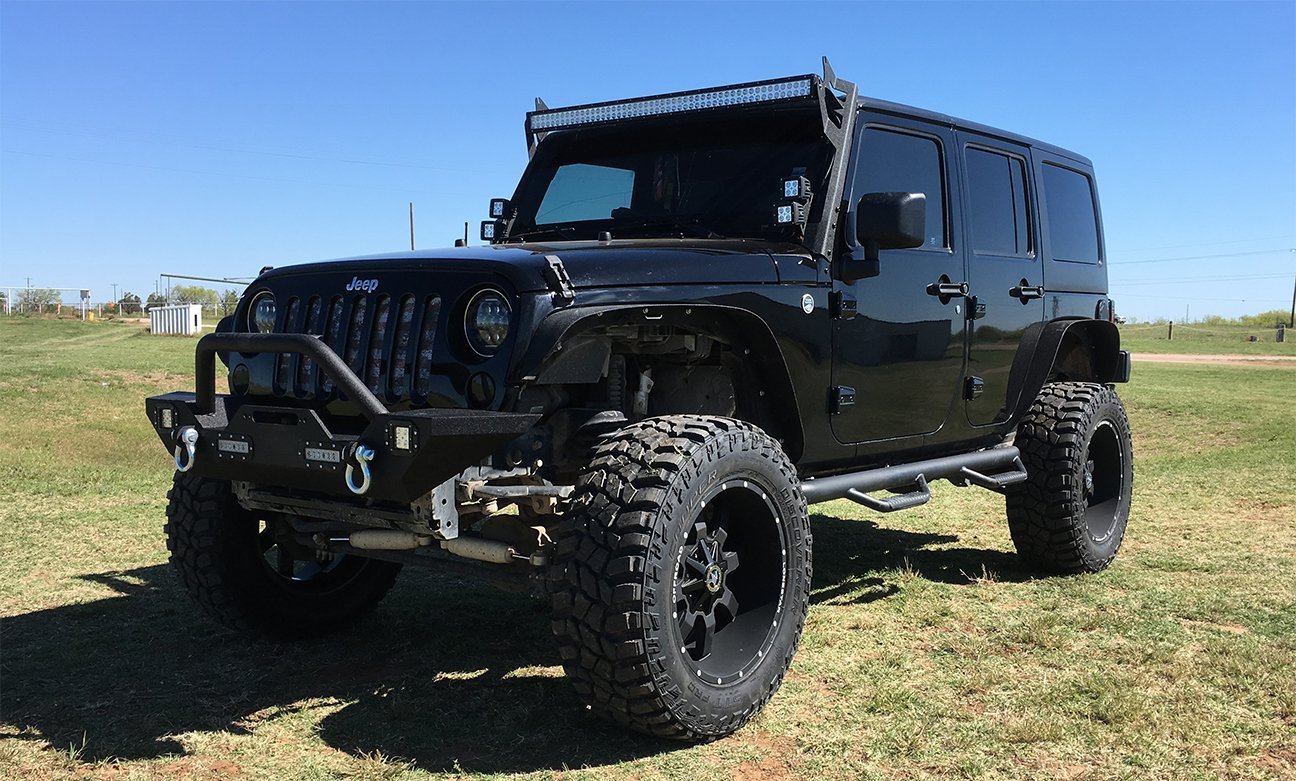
795, 207
501, 211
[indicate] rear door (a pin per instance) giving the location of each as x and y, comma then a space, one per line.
1005, 277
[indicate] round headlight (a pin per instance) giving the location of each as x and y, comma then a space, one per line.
486, 322
263, 312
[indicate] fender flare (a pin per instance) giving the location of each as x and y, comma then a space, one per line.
557, 354
1047, 349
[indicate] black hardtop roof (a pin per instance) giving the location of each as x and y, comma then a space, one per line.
833, 84
900, 109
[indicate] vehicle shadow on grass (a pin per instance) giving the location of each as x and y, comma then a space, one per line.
452, 675
853, 557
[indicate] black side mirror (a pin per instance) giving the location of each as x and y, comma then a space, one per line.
886, 221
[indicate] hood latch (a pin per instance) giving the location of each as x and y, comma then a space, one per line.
559, 282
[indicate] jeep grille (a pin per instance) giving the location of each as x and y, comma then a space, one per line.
381, 337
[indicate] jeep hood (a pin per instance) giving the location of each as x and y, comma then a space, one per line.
588, 264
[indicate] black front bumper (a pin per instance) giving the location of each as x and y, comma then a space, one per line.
295, 447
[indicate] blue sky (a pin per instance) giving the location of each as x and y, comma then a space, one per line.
215, 138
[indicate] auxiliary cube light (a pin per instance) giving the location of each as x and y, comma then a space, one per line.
793, 213
797, 87
796, 187
403, 436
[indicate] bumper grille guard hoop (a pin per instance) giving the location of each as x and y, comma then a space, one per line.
311, 346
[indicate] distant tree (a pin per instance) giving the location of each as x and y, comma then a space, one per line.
228, 302
37, 299
156, 299
195, 294
129, 303
1266, 319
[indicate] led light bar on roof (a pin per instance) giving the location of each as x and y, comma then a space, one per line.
798, 87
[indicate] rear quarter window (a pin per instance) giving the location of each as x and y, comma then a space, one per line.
1070, 214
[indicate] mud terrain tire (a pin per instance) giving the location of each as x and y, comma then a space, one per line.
218, 549
681, 576
1071, 514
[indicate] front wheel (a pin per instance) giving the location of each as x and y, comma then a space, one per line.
250, 575
1071, 513
681, 577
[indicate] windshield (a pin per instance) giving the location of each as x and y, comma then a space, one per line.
707, 177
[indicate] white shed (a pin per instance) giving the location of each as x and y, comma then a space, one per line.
181, 319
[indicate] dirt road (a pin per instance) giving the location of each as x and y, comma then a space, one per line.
1288, 361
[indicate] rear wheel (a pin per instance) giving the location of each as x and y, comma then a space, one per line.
682, 576
250, 575
1070, 515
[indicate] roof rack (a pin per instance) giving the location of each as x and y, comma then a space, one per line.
790, 90
829, 93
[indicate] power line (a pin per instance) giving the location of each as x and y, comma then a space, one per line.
198, 173
243, 150
1201, 298
1121, 263
1211, 243
1189, 280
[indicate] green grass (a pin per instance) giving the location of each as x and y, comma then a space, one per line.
1206, 338
928, 653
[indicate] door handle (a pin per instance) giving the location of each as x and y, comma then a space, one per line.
945, 289
1025, 291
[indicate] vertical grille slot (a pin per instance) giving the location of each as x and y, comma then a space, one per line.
374, 365
426, 345
333, 337
284, 372
355, 336
388, 340
314, 326
401, 345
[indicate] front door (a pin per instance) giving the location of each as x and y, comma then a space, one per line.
1004, 273
902, 352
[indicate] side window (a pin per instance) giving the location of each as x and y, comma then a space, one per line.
899, 162
1072, 218
582, 191
997, 192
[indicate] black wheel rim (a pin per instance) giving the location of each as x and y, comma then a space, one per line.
1103, 476
730, 578
299, 569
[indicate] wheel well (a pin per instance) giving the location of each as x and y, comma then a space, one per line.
670, 360
1088, 352
1077, 350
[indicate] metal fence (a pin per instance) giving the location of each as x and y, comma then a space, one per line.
80, 303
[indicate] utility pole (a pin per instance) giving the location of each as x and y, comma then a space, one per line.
1291, 322
411, 226
114, 292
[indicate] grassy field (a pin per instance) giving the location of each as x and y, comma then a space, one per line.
1204, 338
928, 652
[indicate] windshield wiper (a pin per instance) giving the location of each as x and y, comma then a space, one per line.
562, 233
690, 226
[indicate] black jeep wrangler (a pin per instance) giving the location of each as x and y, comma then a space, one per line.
699, 313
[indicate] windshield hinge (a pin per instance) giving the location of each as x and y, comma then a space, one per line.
557, 279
